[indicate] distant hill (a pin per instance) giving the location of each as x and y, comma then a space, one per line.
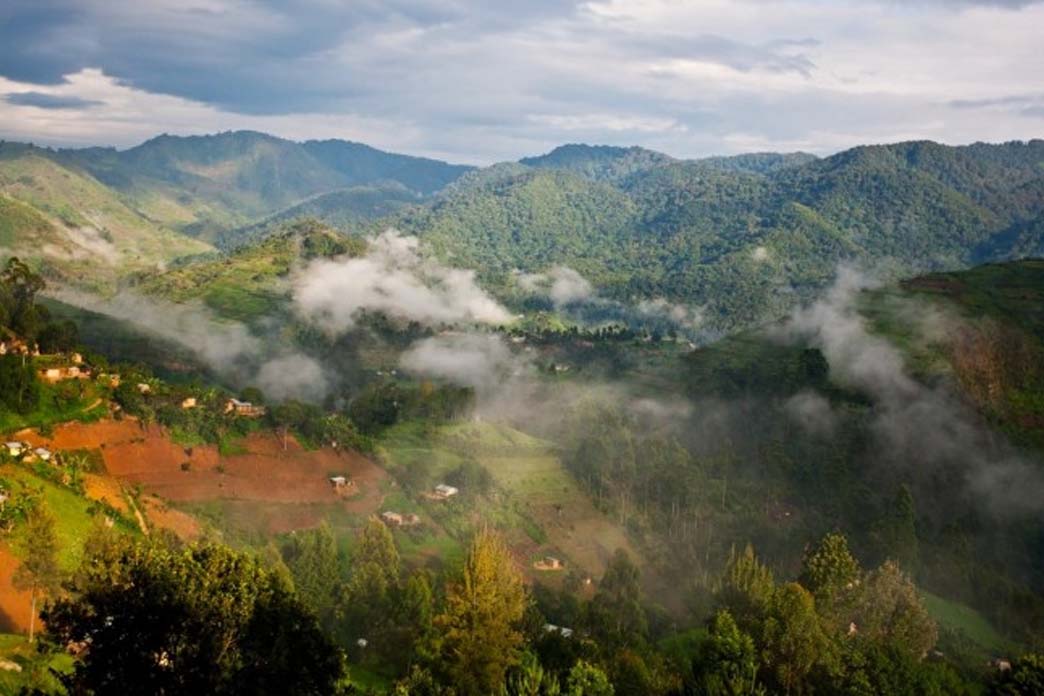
73, 226
742, 237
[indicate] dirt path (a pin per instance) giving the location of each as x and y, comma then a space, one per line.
14, 604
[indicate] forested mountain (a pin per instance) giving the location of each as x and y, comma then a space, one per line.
741, 237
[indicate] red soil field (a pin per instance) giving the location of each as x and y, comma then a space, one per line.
14, 605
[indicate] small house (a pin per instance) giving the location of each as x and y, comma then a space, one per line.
560, 630
549, 563
392, 519
43, 453
410, 519
339, 482
15, 449
445, 492
244, 408
188, 403
144, 388
76, 359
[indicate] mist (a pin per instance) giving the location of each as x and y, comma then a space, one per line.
395, 279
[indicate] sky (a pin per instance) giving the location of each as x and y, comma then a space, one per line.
481, 82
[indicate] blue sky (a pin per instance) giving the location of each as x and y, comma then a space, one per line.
481, 82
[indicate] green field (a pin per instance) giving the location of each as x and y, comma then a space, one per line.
968, 622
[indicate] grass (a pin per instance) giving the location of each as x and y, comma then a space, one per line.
74, 515
966, 621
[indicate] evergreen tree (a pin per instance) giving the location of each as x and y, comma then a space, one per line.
38, 572
480, 638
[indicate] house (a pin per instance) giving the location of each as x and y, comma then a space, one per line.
392, 519
59, 374
244, 408
560, 630
549, 563
445, 492
395, 519
1000, 664
190, 402
15, 449
339, 482
144, 388
76, 359
43, 453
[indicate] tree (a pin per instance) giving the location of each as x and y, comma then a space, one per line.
791, 638
480, 637
727, 663
286, 415
890, 609
38, 573
831, 574
19, 386
616, 614
312, 559
746, 588
587, 680
367, 605
896, 533
21, 286
203, 619
1025, 677
528, 678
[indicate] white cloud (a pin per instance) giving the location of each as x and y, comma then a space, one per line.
394, 279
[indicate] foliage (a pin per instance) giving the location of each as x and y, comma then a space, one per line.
204, 619
479, 627
39, 572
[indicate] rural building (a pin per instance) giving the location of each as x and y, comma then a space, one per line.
395, 519
15, 449
76, 359
445, 492
60, 374
244, 408
339, 482
43, 453
189, 402
549, 563
561, 630
144, 388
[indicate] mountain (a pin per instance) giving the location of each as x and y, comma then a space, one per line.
362, 164
599, 162
80, 230
206, 185
741, 237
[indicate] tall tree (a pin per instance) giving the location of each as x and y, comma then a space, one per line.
38, 573
313, 562
890, 610
203, 619
746, 588
480, 625
792, 639
727, 663
616, 615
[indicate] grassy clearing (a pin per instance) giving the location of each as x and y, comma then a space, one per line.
965, 620
55, 407
74, 515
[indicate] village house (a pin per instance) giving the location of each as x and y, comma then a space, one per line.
561, 630
144, 388
190, 402
60, 374
445, 492
395, 519
15, 449
549, 563
43, 454
244, 408
339, 482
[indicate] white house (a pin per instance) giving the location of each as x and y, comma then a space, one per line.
15, 449
444, 491
43, 453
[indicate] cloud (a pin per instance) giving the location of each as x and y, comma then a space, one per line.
920, 429
481, 82
42, 100
481, 361
561, 284
394, 279
228, 348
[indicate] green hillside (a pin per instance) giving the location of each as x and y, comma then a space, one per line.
80, 230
